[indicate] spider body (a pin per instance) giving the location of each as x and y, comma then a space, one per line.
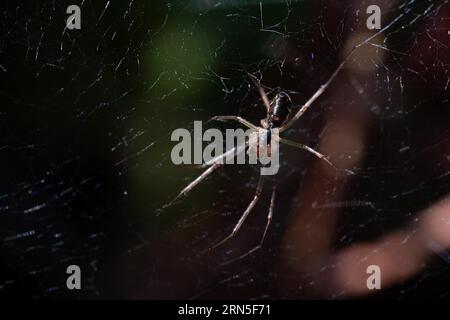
279, 111
278, 116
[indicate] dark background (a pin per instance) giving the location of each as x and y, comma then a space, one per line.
86, 117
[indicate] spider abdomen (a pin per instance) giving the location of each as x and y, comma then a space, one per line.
280, 108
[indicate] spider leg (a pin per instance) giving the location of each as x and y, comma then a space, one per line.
241, 120
309, 149
194, 183
212, 165
270, 214
220, 158
261, 91
244, 215
319, 92
269, 220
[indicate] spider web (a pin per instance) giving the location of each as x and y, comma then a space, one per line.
87, 115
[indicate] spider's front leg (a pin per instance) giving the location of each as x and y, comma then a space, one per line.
309, 149
194, 183
269, 220
270, 214
212, 165
244, 216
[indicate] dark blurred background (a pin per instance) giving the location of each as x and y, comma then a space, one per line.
86, 117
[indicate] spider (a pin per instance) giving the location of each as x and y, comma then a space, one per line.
279, 116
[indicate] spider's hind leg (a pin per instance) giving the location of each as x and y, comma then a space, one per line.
261, 91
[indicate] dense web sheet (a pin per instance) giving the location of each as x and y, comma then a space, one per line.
86, 118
